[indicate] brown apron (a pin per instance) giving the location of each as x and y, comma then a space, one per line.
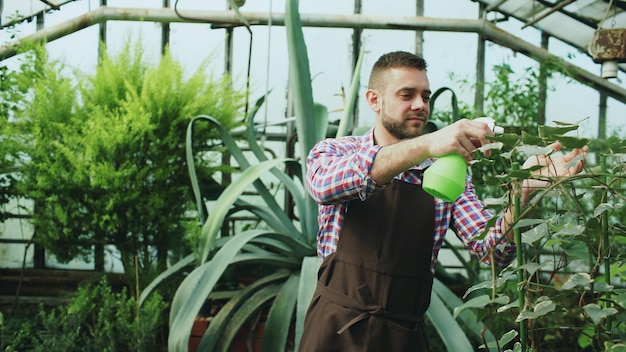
373, 291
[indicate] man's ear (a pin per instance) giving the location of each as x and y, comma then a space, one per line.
373, 99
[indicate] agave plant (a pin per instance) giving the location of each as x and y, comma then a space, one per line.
282, 243
286, 244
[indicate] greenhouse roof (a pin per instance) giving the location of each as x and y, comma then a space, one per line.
571, 21
582, 24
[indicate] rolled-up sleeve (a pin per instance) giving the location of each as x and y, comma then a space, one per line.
338, 170
470, 219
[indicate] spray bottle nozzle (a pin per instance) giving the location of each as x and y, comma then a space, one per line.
491, 123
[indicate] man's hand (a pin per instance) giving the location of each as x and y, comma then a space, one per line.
554, 165
462, 137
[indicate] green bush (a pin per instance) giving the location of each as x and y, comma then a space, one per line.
96, 319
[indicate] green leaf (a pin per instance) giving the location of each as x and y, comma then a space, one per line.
541, 309
530, 150
449, 330
300, 80
601, 208
506, 307
481, 302
228, 197
530, 139
473, 326
168, 273
299, 198
251, 306
598, 314
264, 212
529, 222
519, 174
280, 316
321, 121
585, 339
532, 267
517, 348
574, 249
621, 299
569, 230
243, 162
573, 142
283, 244
554, 133
536, 233
507, 139
307, 126
306, 288
611, 347
344, 124
454, 103
488, 284
577, 280
218, 323
195, 288
503, 341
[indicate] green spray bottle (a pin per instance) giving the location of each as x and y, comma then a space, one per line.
445, 178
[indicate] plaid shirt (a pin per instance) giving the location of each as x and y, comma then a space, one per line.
338, 171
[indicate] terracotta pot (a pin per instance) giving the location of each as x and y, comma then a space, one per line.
240, 343
200, 324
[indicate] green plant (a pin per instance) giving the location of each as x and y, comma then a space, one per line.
101, 157
562, 290
281, 243
95, 319
8, 179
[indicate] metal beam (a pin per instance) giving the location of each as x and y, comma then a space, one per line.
220, 18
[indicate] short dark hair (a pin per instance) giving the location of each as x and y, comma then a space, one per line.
394, 59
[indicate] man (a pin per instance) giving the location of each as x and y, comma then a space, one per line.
375, 283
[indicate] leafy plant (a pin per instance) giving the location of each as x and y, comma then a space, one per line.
561, 291
96, 319
282, 243
101, 158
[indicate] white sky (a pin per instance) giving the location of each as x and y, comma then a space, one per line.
329, 52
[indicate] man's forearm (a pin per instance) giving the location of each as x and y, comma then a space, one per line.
394, 159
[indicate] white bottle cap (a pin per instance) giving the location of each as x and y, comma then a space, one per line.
491, 123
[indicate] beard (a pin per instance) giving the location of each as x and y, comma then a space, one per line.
398, 128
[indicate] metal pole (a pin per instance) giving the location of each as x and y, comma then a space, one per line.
356, 49
543, 83
479, 96
165, 30
419, 35
102, 33
602, 116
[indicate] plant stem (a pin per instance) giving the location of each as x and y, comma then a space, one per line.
605, 241
520, 259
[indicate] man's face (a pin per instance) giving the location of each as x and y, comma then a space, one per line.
404, 103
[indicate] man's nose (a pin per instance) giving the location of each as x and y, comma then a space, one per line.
418, 103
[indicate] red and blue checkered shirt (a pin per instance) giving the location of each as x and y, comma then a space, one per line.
338, 171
